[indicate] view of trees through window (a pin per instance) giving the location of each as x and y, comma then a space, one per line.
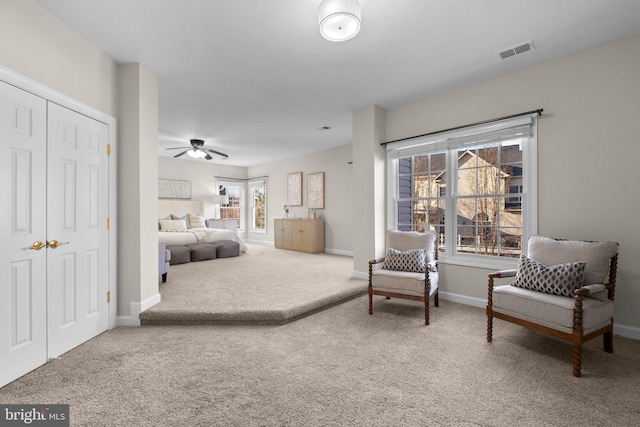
258, 206
486, 200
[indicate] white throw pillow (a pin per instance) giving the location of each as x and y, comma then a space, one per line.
172, 225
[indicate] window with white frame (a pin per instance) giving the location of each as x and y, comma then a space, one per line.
258, 205
474, 186
235, 207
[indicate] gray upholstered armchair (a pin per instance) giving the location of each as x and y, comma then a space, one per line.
164, 256
409, 269
562, 288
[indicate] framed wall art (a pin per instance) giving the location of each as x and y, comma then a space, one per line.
173, 189
294, 189
315, 190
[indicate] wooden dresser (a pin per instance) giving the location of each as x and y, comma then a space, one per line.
305, 235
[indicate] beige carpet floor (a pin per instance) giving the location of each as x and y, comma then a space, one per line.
340, 367
262, 286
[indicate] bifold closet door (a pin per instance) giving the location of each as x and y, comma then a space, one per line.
77, 257
23, 253
54, 242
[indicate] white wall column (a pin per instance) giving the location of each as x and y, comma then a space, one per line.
369, 222
138, 191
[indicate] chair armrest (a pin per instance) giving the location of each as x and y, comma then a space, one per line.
503, 273
376, 261
597, 291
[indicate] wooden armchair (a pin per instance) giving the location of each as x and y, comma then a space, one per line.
562, 288
409, 269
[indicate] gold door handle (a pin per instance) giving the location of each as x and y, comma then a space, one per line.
54, 244
37, 245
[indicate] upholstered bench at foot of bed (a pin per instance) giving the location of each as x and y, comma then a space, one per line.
179, 254
202, 251
226, 248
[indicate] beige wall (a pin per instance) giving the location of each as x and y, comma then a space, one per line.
201, 174
587, 153
338, 211
36, 44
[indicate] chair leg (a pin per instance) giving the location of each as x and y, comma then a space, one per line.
489, 325
164, 277
435, 300
608, 342
370, 300
426, 311
577, 359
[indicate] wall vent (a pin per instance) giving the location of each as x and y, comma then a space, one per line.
516, 50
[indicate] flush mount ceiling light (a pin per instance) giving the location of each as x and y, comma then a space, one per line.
339, 20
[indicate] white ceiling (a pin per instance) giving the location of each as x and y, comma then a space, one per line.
255, 79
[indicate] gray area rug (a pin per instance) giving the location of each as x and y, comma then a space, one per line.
262, 286
340, 367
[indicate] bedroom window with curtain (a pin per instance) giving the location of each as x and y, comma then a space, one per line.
258, 205
235, 208
475, 186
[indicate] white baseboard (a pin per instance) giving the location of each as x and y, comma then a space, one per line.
135, 308
626, 331
326, 250
258, 242
360, 275
463, 299
338, 252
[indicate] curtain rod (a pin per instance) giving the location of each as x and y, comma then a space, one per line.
539, 112
241, 179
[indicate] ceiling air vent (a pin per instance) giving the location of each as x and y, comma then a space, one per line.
517, 50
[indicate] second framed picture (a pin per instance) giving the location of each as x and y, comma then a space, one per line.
315, 190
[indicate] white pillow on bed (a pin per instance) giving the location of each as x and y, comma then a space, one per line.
184, 218
172, 225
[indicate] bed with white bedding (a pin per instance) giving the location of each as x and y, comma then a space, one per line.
183, 236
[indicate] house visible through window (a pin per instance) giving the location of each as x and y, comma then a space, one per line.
474, 186
233, 209
258, 205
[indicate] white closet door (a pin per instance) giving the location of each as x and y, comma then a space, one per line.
23, 282
77, 207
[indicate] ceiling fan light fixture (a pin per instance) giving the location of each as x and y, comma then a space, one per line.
339, 20
196, 154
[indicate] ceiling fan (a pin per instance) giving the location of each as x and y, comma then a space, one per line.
197, 151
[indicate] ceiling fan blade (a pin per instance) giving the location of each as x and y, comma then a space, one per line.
217, 152
178, 155
175, 148
208, 157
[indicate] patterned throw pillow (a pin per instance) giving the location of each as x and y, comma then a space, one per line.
411, 260
196, 221
561, 279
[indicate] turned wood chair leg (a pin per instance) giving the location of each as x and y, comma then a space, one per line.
577, 359
435, 300
489, 326
370, 300
426, 311
608, 342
